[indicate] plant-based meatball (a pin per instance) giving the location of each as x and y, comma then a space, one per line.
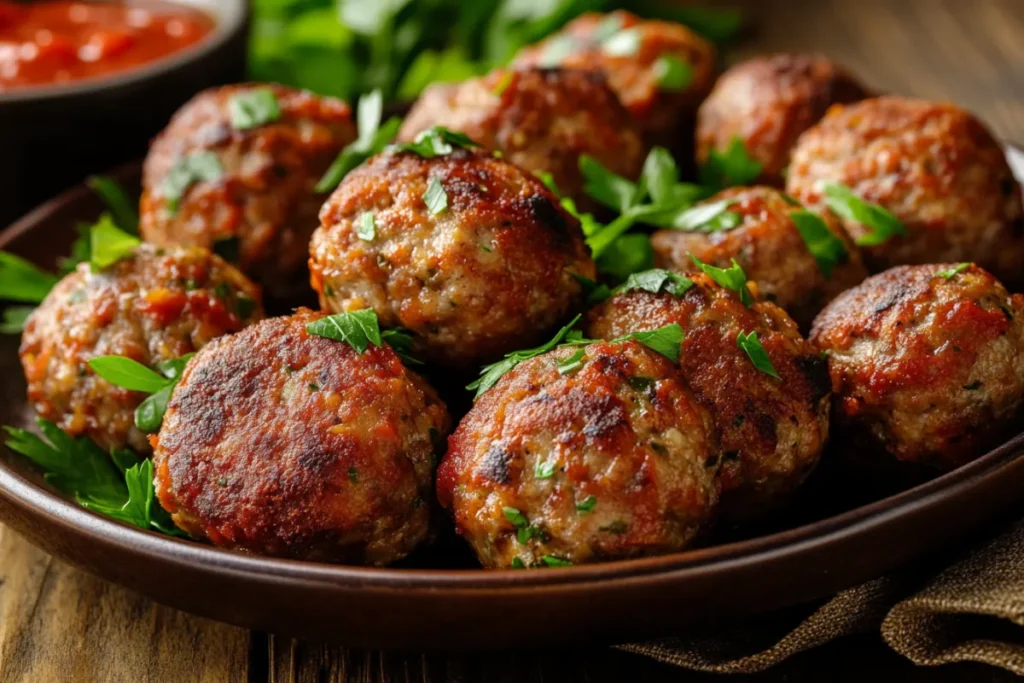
661, 71
934, 166
767, 102
155, 306
773, 430
771, 248
540, 119
470, 253
279, 442
582, 455
235, 172
927, 363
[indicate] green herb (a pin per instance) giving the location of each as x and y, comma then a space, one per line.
515, 517
122, 209
353, 475
253, 108
665, 340
437, 141
503, 82
707, 217
134, 376
400, 341
731, 278
22, 281
587, 504
517, 563
718, 24
435, 197
545, 470
371, 140
641, 383
14, 319
557, 49
758, 356
524, 530
673, 73
656, 281
358, 329
605, 186
549, 182
109, 244
952, 272
626, 254
366, 227
596, 293
552, 561
195, 167
732, 167
882, 224
827, 249
571, 363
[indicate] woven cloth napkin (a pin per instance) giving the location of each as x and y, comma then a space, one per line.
971, 611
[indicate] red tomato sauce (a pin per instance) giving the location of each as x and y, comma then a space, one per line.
58, 41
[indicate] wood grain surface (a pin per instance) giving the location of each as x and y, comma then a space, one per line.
57, 624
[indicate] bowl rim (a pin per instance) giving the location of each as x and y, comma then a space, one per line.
233, 18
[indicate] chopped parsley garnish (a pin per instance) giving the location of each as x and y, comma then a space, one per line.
372, 139
195, 167
730, 168
656, 281
122, 209
673, 73
552, 561
711, 217
435, 197
751, 345
108, 244
665, 340
545, 470
732, 278
253, 108
827, 249
572, 363
134, 376
437, 141
360, 330
952, 272
366, 226
882, 224
587, 504
524, 530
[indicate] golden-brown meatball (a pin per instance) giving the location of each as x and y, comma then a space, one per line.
540, 119
582, 456
155, 306
767, 102
770, 248
927, 363
267, 448
934, 166
485, 271
660, 70
773, 430
251, 197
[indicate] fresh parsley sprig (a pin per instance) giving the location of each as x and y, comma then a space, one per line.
253, 108
827, 249
751, 345
436, 141
108, 244
199, 166
134, 376
732, 278
950, 273
121, 207
656, 281
372, 139
360, 330
880, 222
730, 168
23, 281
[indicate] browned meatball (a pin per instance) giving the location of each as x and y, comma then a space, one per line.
541, 119
927, 363
773, 430
767, 102
156, 306
487, 271
771, 250
934, 166
258, 206
661, 71
267, 448
611, 458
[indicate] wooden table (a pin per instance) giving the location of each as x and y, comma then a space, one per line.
58, 624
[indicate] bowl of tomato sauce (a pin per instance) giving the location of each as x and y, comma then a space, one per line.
84, 85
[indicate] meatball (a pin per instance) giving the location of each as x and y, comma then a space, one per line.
935, 167
487, 268
155, 306
771, 250
772, 430
767, 102
661, 71
541, 119
248, 193
266, 448
927, 363
608, 459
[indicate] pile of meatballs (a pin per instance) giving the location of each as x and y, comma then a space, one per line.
909, 354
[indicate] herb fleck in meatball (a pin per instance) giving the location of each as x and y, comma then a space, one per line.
482, 266
155, 306
660, 70
773, 430
283, 443
771, 250
603, 458
767, 102
542, 120
927, 363
935, 167
251, 196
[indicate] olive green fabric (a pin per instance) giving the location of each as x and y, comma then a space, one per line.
972, 611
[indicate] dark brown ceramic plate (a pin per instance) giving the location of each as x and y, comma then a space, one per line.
832, 540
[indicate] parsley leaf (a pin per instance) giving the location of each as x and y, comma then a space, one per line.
108, 244
708, 217
552, 561
366, 227
732, 167
827, 249
587, 504
882, 224
673, 73
504, 81
952, 272
22, 281
134, 376
401, 342
545, 470
626, 254
14, 319
731, 278
253, 108
436, 141
358, 329
665, 340
122, 208
572, 363
596, 293
372, 139
605, 186
198, 166
435, 197
751, 345
656, 281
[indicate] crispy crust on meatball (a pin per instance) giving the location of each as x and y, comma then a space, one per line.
771, 250
265, 201
266, 447
609, 460
935, 166
767, 102
926, 368
155, 306
663, 115
773, 431
540, 119
490, 273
